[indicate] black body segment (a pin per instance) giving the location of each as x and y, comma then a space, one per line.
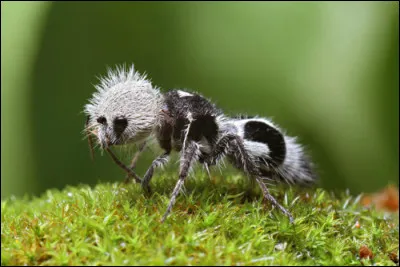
261, 132
179, 105
191, 113
193, 109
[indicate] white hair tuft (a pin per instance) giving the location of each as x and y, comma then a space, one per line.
124, 92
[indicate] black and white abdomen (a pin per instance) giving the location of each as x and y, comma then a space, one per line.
265, 141
262, 140
277, 155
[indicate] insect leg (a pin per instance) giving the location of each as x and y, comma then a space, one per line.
269, 197
134, 160
236, 149
120, 164
189, 155
137, 154
243, 157
158, 162
220, 149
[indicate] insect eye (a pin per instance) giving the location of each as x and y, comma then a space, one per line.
120, 124
101, 120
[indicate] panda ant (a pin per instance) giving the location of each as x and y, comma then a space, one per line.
127, 109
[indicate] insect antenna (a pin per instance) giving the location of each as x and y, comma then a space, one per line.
119, 163
89, 136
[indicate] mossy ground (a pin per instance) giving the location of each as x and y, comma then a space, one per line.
217, 222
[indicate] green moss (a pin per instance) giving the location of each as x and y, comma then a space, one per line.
216, 223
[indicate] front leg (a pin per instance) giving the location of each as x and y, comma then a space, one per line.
189, 155
120, 164
134, 160
158, 162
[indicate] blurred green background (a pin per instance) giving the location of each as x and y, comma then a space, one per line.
328, 72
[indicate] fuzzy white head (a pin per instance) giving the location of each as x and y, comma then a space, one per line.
125, 109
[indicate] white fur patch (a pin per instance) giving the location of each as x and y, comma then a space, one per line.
183, 93
227, 125
125, 92
257, 149
204, 146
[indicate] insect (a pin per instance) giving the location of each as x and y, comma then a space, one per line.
127, 108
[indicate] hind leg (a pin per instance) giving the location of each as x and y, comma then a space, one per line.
233, 146
269, 197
